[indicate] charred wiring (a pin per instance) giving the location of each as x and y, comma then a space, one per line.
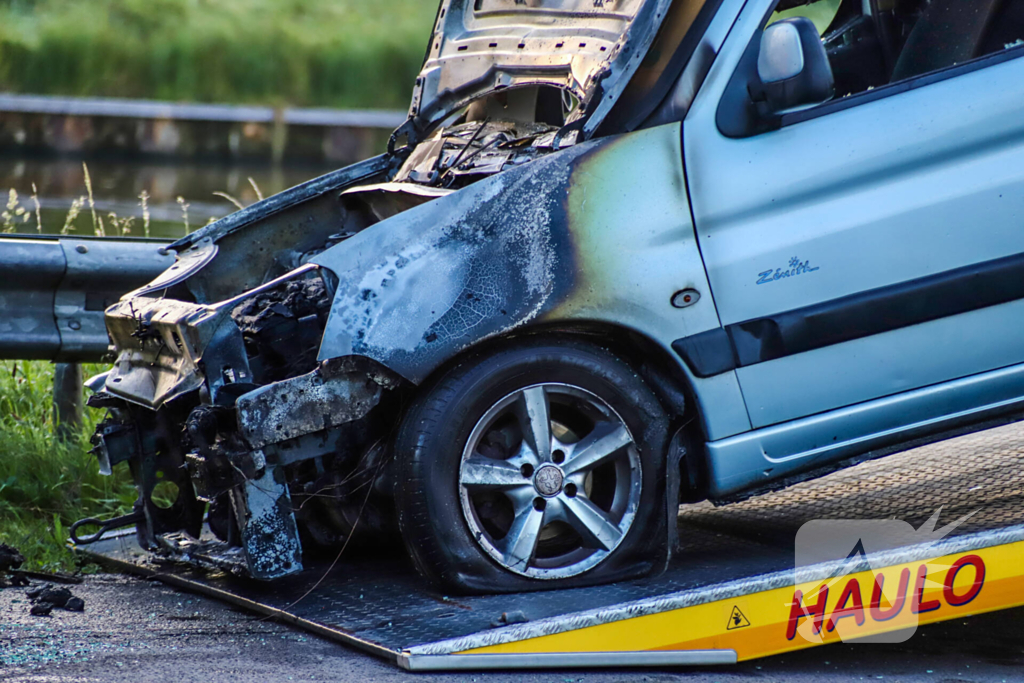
282, 328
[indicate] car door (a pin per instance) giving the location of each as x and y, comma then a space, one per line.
870, 246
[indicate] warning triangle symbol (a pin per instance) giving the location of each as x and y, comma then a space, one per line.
736, 620
858, 550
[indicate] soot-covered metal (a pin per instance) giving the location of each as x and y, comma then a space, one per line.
441, 277
285, 393
264, 377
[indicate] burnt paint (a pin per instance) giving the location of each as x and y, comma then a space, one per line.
598, 232
416, 289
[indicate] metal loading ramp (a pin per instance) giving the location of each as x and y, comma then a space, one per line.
731, 593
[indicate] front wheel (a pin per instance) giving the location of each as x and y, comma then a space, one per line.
539, 466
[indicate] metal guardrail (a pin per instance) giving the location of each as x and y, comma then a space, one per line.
53, 291
153, 109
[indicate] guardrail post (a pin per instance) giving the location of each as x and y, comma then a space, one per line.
67, 400
278, 137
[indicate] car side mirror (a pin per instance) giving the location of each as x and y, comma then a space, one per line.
793, 67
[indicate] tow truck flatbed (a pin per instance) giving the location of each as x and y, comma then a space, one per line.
728, 595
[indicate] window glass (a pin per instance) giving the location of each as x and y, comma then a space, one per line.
822, 13
871, 43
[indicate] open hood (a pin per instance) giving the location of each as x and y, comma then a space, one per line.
589, 48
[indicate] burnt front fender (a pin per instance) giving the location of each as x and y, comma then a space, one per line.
599, 232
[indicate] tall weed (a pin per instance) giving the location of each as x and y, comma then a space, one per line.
46, 484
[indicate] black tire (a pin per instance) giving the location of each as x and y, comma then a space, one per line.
429, 450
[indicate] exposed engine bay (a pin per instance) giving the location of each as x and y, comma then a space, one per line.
254, 432
272, 430
487, 140
492, 336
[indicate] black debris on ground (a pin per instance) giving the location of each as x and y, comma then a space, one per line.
135, 630
45, 598
58, 597
41, 609
10, 560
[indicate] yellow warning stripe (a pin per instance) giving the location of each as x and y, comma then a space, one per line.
946, 587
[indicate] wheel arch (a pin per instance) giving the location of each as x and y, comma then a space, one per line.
668, 377
417, 443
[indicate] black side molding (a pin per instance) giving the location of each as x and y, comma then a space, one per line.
860, 315
708, 353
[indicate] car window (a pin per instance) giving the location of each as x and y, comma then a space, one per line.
871, 43
822, 13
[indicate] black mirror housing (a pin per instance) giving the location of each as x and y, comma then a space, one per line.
785, 68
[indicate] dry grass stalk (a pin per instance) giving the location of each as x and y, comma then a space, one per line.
144, 202
231, 199
69, 220
97, 222
184, 211
259, 195
14, 212
122, 226
39, 213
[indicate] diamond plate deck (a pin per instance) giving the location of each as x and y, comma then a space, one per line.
381, 606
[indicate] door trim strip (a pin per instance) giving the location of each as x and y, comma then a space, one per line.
855, 316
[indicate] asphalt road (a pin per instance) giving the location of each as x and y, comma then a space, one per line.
134, 630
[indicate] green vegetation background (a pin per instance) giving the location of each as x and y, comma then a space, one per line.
330, 53
46, 484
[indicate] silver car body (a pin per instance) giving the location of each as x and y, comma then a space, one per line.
909, 186
845, 270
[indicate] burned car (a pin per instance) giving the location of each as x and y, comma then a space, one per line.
623, 254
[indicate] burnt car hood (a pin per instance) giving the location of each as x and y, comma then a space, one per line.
589, 48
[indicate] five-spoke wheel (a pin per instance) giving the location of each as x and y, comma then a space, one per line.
539, 465
550, 481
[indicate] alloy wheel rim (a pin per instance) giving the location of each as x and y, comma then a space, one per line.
550, 481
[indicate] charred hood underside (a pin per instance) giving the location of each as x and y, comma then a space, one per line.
587, 48
261, 375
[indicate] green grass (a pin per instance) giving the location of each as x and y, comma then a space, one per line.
821, 12
47, 485
337, 53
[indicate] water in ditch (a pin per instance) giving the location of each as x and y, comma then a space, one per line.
171, 189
